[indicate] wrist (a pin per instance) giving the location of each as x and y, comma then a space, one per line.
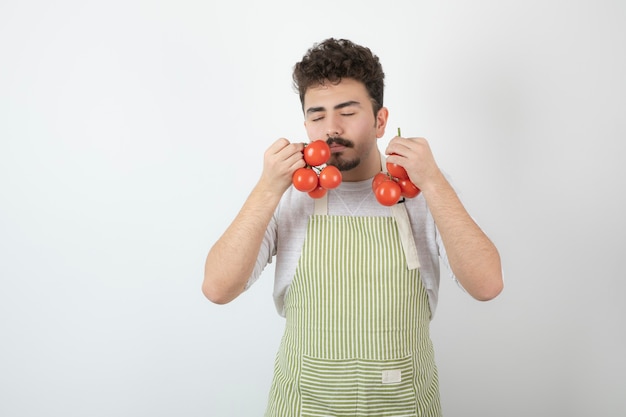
435, 184
268, 191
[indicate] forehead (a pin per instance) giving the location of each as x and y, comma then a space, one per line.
328, 94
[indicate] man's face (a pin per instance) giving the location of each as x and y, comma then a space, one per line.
342, 115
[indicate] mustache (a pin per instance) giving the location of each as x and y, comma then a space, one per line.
340, 141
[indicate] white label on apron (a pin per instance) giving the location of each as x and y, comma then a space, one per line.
392, 376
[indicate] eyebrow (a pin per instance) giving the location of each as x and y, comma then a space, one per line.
337, 107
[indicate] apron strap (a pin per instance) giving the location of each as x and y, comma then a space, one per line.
406, 235
321, 206
404, 226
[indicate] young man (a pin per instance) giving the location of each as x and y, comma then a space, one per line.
356, 281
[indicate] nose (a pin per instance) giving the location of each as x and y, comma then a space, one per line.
333, 129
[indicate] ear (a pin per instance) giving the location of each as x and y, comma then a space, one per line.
381, 121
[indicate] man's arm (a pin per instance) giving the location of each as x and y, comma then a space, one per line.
474, 259
231, 260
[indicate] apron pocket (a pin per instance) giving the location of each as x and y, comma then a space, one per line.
349, 387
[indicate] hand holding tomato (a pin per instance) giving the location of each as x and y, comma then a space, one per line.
280, 161
389, 187
415, 157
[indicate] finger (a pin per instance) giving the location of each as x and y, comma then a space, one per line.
405, 146
397, 146
291, 151
280, 143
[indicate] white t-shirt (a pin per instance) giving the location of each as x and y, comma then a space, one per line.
286, 232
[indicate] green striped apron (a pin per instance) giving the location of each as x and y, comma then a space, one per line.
356, 340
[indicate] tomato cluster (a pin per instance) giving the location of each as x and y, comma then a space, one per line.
389, 187
316, 178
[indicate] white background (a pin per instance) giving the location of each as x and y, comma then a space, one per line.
132, 131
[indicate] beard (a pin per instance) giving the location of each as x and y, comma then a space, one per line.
337, 159
343, 164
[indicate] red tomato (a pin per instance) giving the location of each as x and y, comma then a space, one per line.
316, 153
397, 171
319, 192
330, 177
304, 179
388, 192
409, 190
378, 178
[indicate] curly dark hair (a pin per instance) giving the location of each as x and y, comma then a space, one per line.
334, 59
